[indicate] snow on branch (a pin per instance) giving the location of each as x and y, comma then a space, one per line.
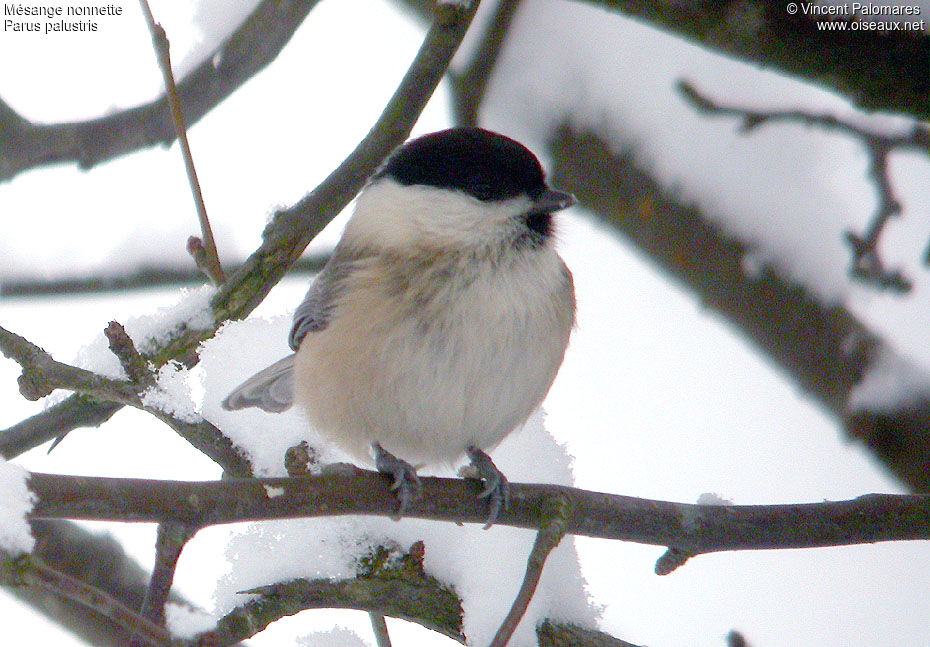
42, 374
398, 587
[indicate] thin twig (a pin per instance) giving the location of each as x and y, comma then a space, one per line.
670, 560
169, 542
866, 262
141, 278
736, 639
209, 261
547, 539
124, 348
42, 374
469, 86
379, 627
38, 574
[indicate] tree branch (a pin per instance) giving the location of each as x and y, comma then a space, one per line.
823, 346
31, 572
554, 634
388, 583
693, 529
57, 420
42, 374
170, 541
292, 229
252, 47
876, 71
866, 263
121, 345
470, 85
380, 629
398, 583
142, 278
98, 561
547, 539
202, 249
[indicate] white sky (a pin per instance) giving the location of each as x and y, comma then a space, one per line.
657, 398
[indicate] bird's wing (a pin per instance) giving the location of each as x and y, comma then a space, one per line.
271, 389
313, 313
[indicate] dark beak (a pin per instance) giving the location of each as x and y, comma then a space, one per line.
551, 200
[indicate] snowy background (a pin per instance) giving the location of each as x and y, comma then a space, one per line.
700, 413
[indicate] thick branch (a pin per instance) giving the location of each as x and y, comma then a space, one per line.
694, 529
33, 573
877, 71
824, 347
25, 145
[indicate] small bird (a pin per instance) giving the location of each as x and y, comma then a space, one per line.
442, 317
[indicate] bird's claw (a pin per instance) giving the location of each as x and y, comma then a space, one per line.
405, 481
496, 488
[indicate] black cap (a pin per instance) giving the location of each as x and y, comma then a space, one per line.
479, 162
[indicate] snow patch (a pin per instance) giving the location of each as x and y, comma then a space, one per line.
891, 383
185, 622
17, 500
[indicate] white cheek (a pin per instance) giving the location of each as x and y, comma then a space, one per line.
389, 215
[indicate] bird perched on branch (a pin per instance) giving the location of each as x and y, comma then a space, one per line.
442, 317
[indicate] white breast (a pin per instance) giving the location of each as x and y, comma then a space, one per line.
446, 353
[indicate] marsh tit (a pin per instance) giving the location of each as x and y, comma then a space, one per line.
442, 317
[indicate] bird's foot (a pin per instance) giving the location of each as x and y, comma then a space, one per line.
496, 489
405, 481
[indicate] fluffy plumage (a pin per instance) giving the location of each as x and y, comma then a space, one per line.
443, 316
